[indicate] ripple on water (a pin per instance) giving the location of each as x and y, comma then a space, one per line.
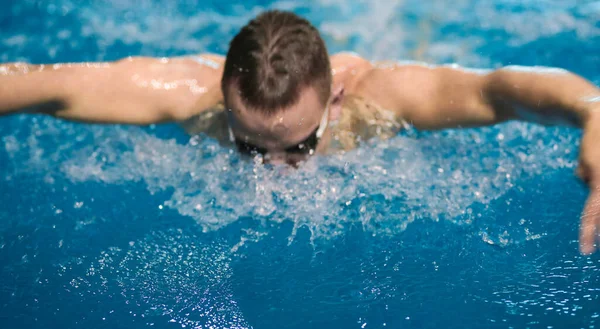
168, 275
569, 290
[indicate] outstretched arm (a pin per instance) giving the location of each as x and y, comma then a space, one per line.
130, 91
439, 97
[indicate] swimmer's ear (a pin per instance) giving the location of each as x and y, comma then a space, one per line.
335, 105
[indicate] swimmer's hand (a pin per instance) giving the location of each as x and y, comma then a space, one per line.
589, 171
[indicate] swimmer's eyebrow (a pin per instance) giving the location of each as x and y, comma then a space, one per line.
246, 138
304, 139
305, 143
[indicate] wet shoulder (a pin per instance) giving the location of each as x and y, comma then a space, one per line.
347, 69
362, 120
211, 122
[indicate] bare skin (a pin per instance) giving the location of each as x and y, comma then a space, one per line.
146, 90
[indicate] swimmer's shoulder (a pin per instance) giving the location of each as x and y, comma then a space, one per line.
211, 122
348, 68
214, 61
365, 78
205, 72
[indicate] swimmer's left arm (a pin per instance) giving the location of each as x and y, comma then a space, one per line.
541, 94
431, 97
449, 96
550, 93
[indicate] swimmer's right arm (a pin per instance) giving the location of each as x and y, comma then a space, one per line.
130, 91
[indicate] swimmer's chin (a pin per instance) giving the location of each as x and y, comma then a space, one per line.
279, 164
282, 165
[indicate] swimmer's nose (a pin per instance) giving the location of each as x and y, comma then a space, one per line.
280, 158
275, 158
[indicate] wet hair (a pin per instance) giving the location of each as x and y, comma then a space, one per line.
273, 58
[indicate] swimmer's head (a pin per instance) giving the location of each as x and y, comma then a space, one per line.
277, 85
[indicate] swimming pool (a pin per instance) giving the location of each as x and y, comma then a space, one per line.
128, 227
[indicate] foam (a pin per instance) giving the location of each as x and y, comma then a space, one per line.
439, 175
210, 184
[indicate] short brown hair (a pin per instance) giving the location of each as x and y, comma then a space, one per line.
273, 57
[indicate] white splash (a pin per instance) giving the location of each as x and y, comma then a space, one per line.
592, 99
416, 177
89, 65
386, 184
478, 71
535, 69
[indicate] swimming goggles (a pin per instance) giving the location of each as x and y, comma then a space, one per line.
305, 147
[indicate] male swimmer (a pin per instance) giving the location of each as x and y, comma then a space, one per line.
287, 99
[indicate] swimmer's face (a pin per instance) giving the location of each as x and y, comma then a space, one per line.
287, 136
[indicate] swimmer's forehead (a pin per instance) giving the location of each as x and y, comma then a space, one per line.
286, 127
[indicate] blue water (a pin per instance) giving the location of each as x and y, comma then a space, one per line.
128, 227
